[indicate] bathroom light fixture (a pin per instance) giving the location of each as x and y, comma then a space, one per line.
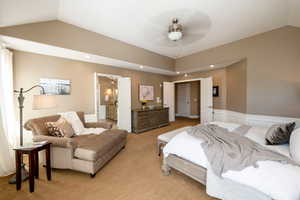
141, 66
177, 72
212, 66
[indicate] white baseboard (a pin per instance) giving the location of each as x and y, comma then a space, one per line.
250, 119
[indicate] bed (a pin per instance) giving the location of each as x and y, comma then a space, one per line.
196, 166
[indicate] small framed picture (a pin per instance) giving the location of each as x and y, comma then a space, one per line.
146, 93
215, 91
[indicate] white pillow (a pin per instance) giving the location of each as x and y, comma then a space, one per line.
295, 145
74, 120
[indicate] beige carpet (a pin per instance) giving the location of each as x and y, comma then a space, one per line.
134, 174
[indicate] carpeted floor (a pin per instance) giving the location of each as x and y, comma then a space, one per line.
134, 174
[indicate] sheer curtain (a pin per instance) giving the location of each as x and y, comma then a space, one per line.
8, 128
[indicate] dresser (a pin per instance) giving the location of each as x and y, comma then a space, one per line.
146, 119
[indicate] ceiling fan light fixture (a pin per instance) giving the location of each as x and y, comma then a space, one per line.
174, 36
175, 30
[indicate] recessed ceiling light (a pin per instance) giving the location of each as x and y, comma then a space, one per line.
177, 72
87, 56
185, 75
212, 66
141, 66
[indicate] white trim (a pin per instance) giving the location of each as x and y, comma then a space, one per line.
189, 80
50, 50
250, 119
109, 75
96, 88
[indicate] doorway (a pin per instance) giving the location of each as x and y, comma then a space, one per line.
108, 102
113, 100
187, 100
205, 101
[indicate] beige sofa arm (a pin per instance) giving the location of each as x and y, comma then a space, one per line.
106, 125
56, 141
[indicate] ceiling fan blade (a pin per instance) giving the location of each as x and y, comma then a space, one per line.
192, 38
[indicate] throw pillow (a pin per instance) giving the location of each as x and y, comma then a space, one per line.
75, 121
295, 145
60, 128
279, 133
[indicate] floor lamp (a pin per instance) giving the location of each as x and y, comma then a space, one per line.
39, 102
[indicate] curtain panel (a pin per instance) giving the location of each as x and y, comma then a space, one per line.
8, 128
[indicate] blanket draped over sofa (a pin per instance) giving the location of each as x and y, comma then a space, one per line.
230, 151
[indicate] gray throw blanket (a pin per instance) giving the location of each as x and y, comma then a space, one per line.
230, 151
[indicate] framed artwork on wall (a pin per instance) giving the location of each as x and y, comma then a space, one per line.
56, 86
215, 91
146, 93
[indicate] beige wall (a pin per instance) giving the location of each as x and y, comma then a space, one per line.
29, 68
232, 82
273, 62
236, 81
64, 35
273, 69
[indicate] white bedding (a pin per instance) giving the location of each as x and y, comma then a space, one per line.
279, 181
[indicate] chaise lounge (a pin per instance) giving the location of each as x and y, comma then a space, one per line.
84, 153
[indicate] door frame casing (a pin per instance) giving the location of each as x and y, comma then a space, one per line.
96, 89
190, 80
97, 94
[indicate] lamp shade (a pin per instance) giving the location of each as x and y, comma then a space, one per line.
43, 102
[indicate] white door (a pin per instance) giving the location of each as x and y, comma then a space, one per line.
183, 99
124, 104
97, 95
206, 100
169, 99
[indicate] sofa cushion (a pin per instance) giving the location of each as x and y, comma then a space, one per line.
92, 147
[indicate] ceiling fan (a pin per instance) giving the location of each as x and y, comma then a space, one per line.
177, 28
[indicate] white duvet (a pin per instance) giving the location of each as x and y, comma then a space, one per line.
279, 181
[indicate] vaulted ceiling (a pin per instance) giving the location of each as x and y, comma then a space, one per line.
144, 23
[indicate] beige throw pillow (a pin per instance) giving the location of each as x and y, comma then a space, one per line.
60, 128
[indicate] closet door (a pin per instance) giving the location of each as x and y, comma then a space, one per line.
183, 99
169, 99
124, 104
206, 108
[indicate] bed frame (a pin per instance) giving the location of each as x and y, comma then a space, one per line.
235, 192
